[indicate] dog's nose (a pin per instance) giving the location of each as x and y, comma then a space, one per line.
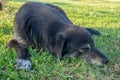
105, 61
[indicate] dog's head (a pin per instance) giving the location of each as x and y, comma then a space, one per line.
78, 42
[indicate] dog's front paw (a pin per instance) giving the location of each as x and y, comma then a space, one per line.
23, 64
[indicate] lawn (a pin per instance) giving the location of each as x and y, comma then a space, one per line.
102, 15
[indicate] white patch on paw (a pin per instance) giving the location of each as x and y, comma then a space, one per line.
23, 64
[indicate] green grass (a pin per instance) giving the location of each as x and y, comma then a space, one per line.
103, 15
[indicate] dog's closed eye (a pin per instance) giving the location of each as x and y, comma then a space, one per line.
81, 51
85, 48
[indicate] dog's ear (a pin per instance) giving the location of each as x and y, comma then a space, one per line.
59, 45
93, 31
56, 44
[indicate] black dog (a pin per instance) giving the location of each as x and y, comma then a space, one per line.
47, 26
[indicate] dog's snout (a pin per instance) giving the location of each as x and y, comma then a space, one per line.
105, 61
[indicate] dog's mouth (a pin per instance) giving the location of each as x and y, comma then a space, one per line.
95, 62
97, 59
98, 62
92, 60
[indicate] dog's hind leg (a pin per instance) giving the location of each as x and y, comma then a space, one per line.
23, 56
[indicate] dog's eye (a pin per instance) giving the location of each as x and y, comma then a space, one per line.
86, 48
81, 51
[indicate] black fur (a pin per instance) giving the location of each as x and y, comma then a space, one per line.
46, 26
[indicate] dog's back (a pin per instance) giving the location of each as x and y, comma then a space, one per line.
37, 19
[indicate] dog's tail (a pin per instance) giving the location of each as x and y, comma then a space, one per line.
93, 32
13, 44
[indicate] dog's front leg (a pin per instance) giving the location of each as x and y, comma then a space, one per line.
23, 56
